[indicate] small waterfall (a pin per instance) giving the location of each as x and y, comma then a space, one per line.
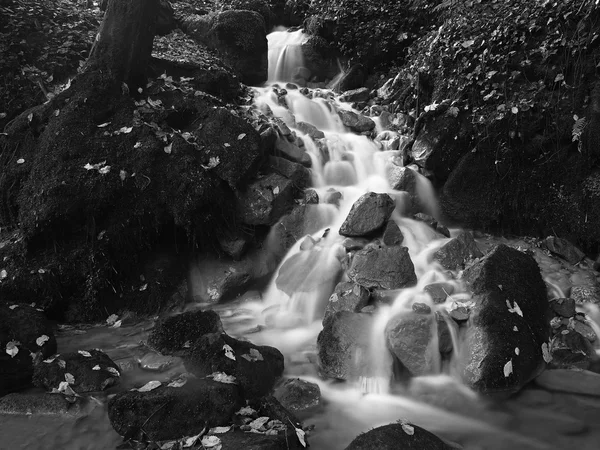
285, 54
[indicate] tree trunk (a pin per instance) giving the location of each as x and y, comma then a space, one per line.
124, 42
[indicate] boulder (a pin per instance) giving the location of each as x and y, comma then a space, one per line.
356, 122
405, 179
356, 95
240, 38
303, 220
508, 325
392, 234
174, 412
440, 143
455, 253
439, 291
367, 215
344, 345
383, 268
352, 244
266, 200
311, 197
346, 297
297, 173
26, 331
173, 335
310, 130
564, 307
571, 351
298, 395
263, 7
354, 78
291, 151
255, 368
564, 249
85, 371
410, 338
396, 436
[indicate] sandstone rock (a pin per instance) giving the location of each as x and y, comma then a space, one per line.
174, 335
91, 371
344, 344
255, 368
298, 395
356, 122
356, 95
392, 234
368, 214
508, 325
458, 251
383, 268
564, 249
398, 436
410, 339
266, 200
174, 412
346, 297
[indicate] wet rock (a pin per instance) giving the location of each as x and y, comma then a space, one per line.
41, 405
255, 368
343, 345
368, 214
30, 332
445, 344
398, 436
86, 371
439, 291
320, 58
346, 297
303, 220
580, 326
332, 197
405, 179
298, 395
421, 308
585, 294
392, 234
308, 243
266, 200
234, 244
459, 312
564, 249
174, 334
581, 382
238, 36
291, 151
426, 219
295, 172
254, 441
383, 268
214, 280
310, 130
410, 339
508, 324
352, 244
443, 230
571, 350
311, 197
154, 362
174, 412
356, 95
458, 251
356, 122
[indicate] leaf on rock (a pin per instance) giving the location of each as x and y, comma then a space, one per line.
104, 170
241, 136
11, 348
229, 352
117, 324
212, 442
104, 125
115, 372
69, 378
219, 430
149, 386
122, 175
301, 436
223, 378
62, 364
3, 274
408, 429
88, 166
84, 353
259, 423
546, 352
178, 382
96, 367
467, 44
246, 411
213, 162
42, 340
508, 368
168, 148
190, 441
13, 306
20, 161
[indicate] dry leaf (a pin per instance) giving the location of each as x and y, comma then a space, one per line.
12, 349
69, 378
96, 367
508, 368
20, 161
168, 148
84, 353
229, 352
241, 136
223, 378
42, 340
212, 442
149, 386
113, 371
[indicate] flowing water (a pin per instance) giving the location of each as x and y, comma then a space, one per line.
351, 165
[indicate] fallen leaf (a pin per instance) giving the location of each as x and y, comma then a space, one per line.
177, 383
241, 136
276, 190
223, 378
137, 145
112, 319
517, 351
11, 348
13, 306
559, 77
104, 125
301, 436
229, 352
96, 367
514, 309
246, 411
219, 430
546, 352
408, 429
257, 424
51, 359
84, 353
514, 110
113, 371
124, 130
508, 368
3, 115
69, 378
20, 161
212, 442
30, 117
62, 364
117, 324
88, 166
149, 386
42, 340
226, 144
190, 441
104, 170
143, 287
56, 113
467, 44
168, 148
122, 175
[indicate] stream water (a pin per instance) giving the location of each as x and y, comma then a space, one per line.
352, 166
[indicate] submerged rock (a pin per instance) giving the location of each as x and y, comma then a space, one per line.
85, 371
346, 297
383, 268
410, 338
175, 334
455, 253
344, 345
255, 368
367, 215
397, 436
174, 412
356, 122
508, 325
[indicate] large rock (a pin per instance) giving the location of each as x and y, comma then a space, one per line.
266, 200
297, 173
289, 150
405, 179
255, 368
174, 334
356, 95
302, 220
455, 253
367, 215
410, 338
346, 297
214, 280
440, 143
298, 395
392, 235
238, 36
356, 122
383, 268
344, 345
564, 249
398, 436
30, 332
85, 371
320, 58
174, 412
508, 325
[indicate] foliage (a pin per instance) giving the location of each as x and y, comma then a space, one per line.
42, 44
